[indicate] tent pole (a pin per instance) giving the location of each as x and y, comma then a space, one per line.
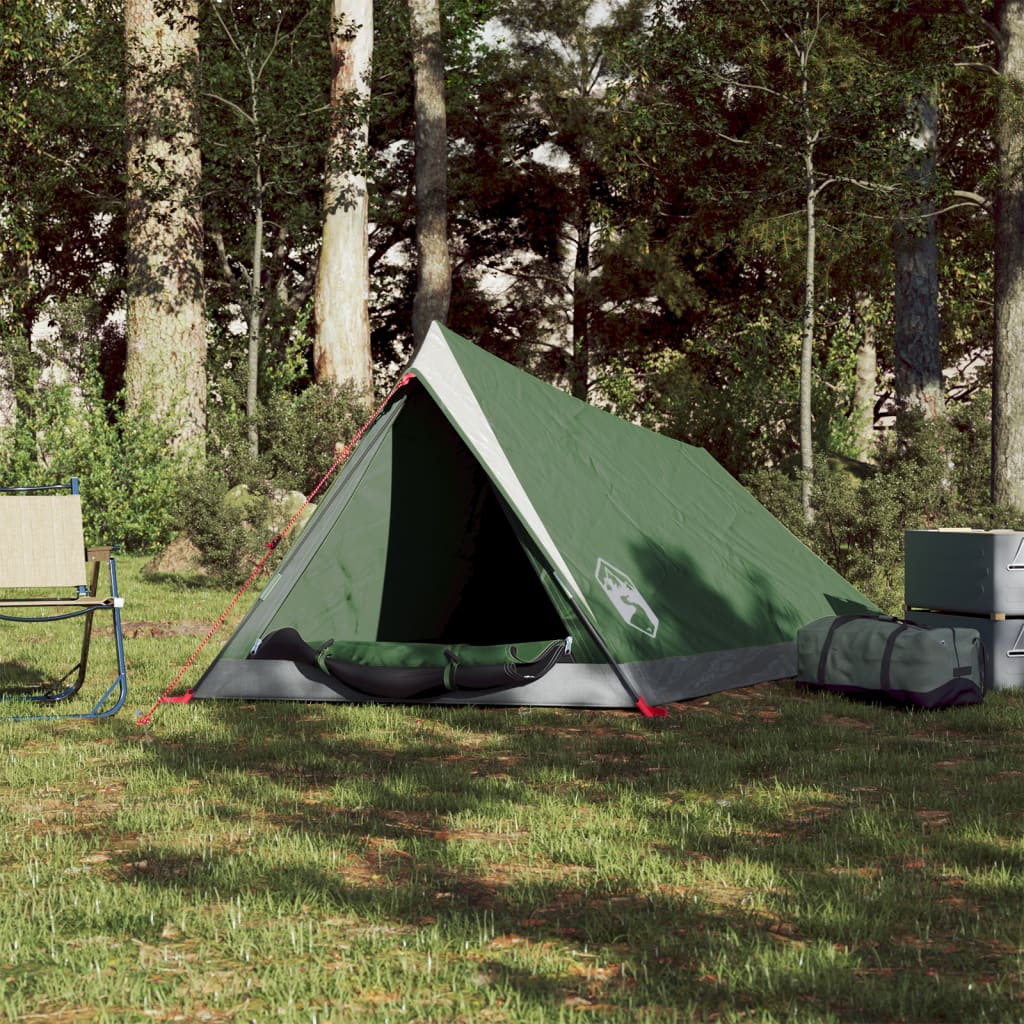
641, 705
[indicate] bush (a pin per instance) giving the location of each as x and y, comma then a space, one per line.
298, 434
733, 389
138, 494
129, 478
933, 475
230, 526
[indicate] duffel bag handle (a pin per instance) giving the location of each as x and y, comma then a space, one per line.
842, 620
885, 674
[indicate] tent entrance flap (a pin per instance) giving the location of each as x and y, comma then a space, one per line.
455, 569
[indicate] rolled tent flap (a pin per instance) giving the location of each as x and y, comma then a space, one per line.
399, 671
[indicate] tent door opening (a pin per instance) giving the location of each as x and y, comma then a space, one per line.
456, 570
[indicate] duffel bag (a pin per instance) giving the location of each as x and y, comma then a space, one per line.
898, 661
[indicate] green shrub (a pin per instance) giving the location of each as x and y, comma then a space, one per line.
129, 477
229, 524
299, 434
733, 390
935, 474
298, 437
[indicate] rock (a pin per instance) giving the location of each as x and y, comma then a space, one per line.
239, 498
285, 507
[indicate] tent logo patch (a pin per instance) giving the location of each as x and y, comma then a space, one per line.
626, 598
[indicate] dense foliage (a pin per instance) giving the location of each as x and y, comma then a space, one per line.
628, 217
934, 475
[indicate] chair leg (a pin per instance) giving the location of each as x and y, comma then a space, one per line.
84, 659
117, 693
120, 685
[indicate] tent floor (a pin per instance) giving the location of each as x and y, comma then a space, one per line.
565, 685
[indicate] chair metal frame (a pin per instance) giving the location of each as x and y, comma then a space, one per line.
42, 548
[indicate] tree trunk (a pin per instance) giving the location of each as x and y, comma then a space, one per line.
1008, 349
918, 358
341, 350
255, 316
865, 388
165, 367
579, 363
807, 345
434, 281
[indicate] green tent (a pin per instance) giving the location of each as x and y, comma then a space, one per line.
495, 541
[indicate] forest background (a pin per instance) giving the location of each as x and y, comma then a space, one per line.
788, 231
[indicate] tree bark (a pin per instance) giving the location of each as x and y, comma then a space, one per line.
165, 367
1008, 348
811, 192
865, 387
807, 343
434, 280
255, 314
341, 350
579, 360
918, 358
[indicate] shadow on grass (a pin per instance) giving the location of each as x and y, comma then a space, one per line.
745, 870
20, 676
176, 581
21, 684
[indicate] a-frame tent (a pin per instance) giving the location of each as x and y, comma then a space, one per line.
484, 515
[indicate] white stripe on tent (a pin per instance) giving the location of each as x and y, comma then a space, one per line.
449, 384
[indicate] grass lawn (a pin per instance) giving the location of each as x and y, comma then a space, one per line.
761, 855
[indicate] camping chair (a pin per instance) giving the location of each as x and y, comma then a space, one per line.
41, 552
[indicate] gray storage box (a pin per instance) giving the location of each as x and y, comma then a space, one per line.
1003, 640
978, 572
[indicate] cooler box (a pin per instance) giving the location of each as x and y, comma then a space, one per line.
978, 572
1003, 640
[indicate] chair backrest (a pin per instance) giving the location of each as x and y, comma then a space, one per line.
41, 541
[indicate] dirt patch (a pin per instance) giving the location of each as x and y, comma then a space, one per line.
180, 557
933, 819
747, 694
693, 707
134, 630
845, 721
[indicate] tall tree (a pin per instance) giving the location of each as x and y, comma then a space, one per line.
866, 384
919, 49
918, 33
1008, 351
946, 149
265, 113
165, 368
341, 351
434, 274
811, 90
61, 169
565, 51
803, 38
480, 105
917, 355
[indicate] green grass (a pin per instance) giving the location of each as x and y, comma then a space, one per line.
763, 855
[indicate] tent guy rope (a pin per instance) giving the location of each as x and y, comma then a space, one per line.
166, 698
